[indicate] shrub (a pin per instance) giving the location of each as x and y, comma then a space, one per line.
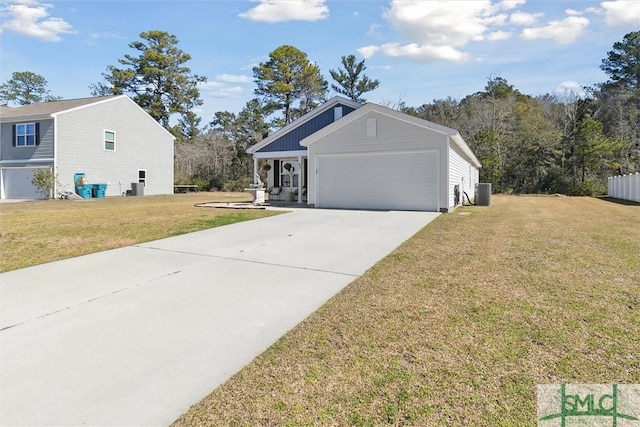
45, 181
237, 184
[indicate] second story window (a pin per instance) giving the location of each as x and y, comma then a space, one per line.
109, 140
26, 135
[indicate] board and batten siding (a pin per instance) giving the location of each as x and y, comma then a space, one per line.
291, 140
42, 151
141, 144
461, 173
391, 136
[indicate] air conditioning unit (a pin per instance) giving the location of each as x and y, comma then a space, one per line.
483, 194
137, 189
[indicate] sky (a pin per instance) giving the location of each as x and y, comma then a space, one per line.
419, 50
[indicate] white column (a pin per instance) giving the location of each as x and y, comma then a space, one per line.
300, 171
255, 170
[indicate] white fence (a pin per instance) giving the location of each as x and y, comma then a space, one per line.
625, 187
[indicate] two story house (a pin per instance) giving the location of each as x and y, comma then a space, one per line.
110, 139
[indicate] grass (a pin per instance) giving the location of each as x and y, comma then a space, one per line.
458, 325
42, 231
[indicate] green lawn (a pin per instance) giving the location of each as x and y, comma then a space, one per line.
458, 325
36, 232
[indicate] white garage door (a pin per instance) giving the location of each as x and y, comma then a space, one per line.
17, 183
395, 181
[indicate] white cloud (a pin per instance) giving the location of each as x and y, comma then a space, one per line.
511, 4
368, 51
622, 12
95, 37
31, 18
571, 89
287, 10
563, 32
498, 35
233, 78
522, 18
436, 31
225, 86
422, 52
373, 31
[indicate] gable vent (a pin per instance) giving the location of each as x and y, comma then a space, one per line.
337, 113
371, 128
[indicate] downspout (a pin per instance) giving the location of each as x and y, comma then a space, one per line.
55, 156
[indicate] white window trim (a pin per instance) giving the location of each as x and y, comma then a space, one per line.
144, 180
25, 135
104, 140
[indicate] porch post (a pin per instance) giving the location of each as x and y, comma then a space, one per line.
300, 175
255, 170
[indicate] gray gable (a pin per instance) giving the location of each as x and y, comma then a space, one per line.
290, 141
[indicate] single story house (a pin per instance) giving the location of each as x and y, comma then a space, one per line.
110, 139
352, 156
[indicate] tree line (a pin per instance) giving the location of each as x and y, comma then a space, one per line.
564, 144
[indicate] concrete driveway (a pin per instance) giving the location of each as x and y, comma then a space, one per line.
135, 336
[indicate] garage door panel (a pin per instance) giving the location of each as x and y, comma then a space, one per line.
17, 183
399, 181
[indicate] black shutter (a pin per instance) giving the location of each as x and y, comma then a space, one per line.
13, 127
37, 133
306, 174
276, 173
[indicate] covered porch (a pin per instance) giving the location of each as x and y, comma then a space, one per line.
286, 174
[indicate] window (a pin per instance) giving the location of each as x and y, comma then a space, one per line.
109, 140
26, 135
289, 170
142, 177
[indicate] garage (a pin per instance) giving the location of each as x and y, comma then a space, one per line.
369, 157
390, 181
16, 183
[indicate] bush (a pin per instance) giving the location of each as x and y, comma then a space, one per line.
45, 181
588, 188
202, 183
237, 184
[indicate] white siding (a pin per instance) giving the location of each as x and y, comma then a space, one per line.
461, 173
392, 136
140, 144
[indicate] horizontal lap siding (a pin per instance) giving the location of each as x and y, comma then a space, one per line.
461, 173
44, 150
392, 135
140, 144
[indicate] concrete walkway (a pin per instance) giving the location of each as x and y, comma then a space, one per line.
135, 336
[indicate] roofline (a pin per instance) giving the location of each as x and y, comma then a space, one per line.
32, 117
117, 97
80, 107
45, 116
302, 120
453, 134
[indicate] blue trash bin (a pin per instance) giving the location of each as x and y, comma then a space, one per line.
84, 190
99, 190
